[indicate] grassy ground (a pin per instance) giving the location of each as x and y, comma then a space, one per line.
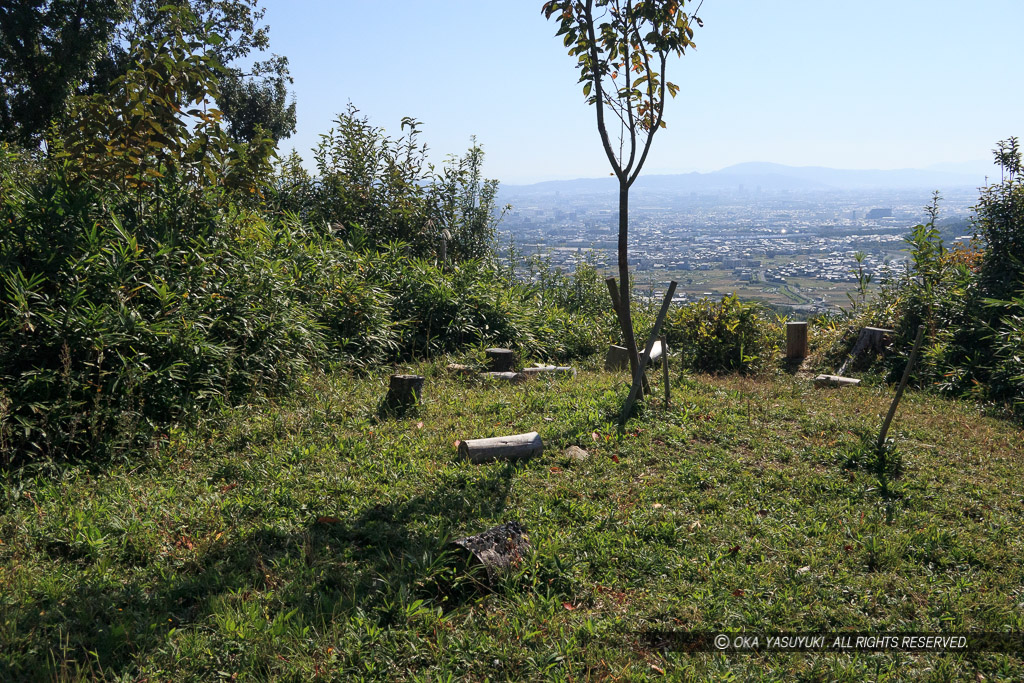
303, 539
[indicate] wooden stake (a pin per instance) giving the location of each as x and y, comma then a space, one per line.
902, 386
664, 368
796, 340
635, 389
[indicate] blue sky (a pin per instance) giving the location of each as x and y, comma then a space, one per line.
873, 84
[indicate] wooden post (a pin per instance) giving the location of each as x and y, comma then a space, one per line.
796, 340
514, 447
902, 386
635, 389
501, 360
403, 392
664, 369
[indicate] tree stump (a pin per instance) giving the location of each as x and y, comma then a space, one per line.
403, 392
617, 358
501, 360
872, 339
796, 340
516, 447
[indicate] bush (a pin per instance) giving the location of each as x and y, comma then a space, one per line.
724, 336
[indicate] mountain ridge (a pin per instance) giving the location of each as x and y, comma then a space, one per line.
767, 176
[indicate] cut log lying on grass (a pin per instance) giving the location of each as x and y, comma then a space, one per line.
513, 377
459, 369
516, 447
498, 549
558, 371
835, 381
403, 392
500, 360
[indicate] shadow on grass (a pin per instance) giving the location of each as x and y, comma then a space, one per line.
374, 562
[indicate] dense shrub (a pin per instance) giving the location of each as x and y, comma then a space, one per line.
968, 298
724, 336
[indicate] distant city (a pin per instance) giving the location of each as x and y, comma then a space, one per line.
785, 239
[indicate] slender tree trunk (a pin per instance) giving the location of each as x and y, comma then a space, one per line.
625, 314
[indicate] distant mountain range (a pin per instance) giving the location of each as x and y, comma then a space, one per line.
775, 177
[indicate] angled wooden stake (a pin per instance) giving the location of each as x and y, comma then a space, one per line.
902, 386
613, 290
664, 367
637, 377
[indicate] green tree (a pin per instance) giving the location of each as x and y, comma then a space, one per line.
1000, 222
250, 99
51, 50
623, 48
47, 48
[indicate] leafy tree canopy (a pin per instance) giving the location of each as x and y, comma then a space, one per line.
51, 49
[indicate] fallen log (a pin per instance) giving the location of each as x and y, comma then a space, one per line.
516, 447
513, 377
835, 381
559, 371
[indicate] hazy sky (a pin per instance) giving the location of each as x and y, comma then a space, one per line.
872, 84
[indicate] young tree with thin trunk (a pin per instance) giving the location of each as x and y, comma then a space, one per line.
623, 47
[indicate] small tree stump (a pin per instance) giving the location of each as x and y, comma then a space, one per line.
403, 392
549, 370
617, 358
796, 340
501, 360
498, 549
516, 447
872, 339
835, 381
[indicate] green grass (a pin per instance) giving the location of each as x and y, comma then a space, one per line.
304, 538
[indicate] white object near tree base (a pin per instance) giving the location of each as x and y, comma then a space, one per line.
617, 357
516, 447
835, 381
